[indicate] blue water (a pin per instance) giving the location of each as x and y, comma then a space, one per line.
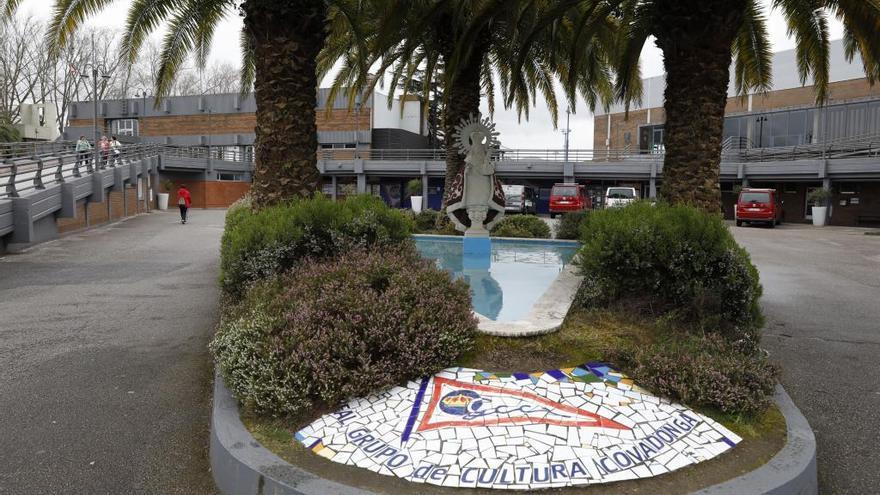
507, 283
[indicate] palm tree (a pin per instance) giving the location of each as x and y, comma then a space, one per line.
699, 39
463, 45
8, 131
280, 43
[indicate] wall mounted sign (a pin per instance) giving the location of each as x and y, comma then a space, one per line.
469, 428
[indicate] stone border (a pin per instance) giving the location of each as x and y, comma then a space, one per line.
792, 471
241, 466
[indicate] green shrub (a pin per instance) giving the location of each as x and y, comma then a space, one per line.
528, 226
340, 328
569, 226
414, 187
672, 259
703, 371
261, 244
425, 221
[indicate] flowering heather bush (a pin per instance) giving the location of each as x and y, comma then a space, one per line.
335, 329
676, 260
259, 245
703, 372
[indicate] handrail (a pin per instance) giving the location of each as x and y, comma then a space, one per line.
22, 174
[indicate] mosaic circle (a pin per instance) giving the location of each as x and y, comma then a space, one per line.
470, 428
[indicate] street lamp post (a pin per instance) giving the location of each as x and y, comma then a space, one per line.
760, 120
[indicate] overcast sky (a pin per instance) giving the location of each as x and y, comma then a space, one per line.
538, 132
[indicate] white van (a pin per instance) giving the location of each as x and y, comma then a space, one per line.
619, 196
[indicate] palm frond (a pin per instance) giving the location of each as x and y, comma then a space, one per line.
67, 17
144, 16
751, 52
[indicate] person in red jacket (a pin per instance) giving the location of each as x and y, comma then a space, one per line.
183, 201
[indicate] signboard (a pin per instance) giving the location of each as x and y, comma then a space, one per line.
470, 428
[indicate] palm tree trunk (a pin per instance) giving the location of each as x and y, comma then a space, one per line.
696, 41
287, 38
461, 99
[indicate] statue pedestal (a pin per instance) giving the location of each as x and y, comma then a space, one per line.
477, 250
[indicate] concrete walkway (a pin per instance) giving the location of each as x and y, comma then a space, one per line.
822, 302
105, 383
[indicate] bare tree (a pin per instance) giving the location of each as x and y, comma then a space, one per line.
28, 74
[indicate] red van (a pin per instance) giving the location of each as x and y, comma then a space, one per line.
758, 206
568, 197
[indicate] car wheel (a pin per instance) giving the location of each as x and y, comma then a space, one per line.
773, 224
739, 223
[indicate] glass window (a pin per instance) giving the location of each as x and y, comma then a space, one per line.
872, 120
797, 128
754, 197
620, 192
124, 127
564, 191
778, 129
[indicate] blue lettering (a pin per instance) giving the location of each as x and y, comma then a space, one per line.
503, 478
422, 471
665, 436
651, 439
576, 467
373, 447
438, 474
402, 459
491, 479
537, 479
617, 456
359, 432
465, 473
522, 473
558, 470
604, 467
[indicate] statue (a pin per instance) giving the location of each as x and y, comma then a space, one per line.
476, 199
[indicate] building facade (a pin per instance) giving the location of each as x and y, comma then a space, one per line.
224, 123
787, 116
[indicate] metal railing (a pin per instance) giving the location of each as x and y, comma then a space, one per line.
22, 174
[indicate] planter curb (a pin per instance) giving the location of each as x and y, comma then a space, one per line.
241, 466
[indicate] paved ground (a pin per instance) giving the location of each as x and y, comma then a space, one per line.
822, 301
105, 382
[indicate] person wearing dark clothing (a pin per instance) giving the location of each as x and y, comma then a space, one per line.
183, 201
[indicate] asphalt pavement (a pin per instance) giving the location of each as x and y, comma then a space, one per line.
822, 303
106, 378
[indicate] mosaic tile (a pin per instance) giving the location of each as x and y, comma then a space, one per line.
471, 428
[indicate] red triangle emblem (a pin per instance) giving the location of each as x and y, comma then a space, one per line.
456, 403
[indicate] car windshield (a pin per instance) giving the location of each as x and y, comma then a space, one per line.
754, 197
623, 193
564, 191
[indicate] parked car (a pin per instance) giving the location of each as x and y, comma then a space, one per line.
758, 206
619, 196
520, 199
568, 197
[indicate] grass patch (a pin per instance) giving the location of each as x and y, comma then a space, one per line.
585, 336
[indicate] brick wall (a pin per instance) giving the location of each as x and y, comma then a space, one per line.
209, 194
97, 213
78, 222
242, 123
117, 208
221, 194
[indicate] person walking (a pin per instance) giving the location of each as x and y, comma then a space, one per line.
183, 201
82, 151
115, 149
104, 144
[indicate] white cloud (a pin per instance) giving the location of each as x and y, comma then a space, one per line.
537, 133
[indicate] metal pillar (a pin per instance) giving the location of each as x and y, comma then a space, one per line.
424, 192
